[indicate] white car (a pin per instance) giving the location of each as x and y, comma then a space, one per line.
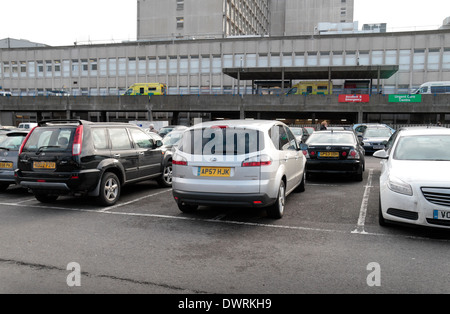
244, 163
414, 181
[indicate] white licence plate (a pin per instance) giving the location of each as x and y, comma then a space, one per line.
441, 215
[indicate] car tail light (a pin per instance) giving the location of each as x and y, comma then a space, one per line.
77, 141
257, 161
353, 154
219, 127
25, 140
180, 161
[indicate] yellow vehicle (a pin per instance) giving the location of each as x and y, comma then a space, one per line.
147, 89
312, 88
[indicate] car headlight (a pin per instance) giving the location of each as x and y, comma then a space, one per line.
399, 186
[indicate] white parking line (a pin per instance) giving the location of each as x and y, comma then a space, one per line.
106, 209
364, 205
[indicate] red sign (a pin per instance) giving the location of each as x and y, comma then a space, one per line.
354, 98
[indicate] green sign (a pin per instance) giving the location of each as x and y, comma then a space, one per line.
405, 98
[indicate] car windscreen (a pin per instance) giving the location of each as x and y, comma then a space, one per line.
377, 133
331, 138
423, 147
172, 138
50, 139
222, 141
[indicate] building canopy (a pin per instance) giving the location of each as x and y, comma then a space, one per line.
313, 73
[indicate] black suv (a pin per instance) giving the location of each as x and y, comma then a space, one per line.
77, 157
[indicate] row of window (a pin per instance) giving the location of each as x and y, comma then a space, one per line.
417, 60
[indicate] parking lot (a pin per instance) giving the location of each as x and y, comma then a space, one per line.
328, 241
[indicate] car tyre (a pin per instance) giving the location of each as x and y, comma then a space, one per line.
166, 178
301, 187
109, 189
276, 210
3, 187
45, 198
381, 221
186, 208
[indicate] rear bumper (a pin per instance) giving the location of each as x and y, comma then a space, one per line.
59, 183
7, 176
218, 199
334, 166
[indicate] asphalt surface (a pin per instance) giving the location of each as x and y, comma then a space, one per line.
328, 241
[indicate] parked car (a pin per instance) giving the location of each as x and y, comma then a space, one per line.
334, 152
245, 163
58, 93
79, 158
9, 151
301, 133
27, 125
169, 128
172, 139
361, 127
414, 184
6, 94
375, 138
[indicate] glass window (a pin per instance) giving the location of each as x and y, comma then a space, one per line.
152, 66
419, 60
162, 65
194, 65
311, 59
75, 68
112, 67
206, 64
122, 67
377, 57
100, 138
141, 139
142, 66
350, 58
391, 57
433, 59
251, 60
131, 66
119, 139
103, 65
31, 69
299, 60
66, 68
217, 64
405, 60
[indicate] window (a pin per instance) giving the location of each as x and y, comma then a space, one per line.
433, 59
57, 68
180, 22
142, 66
119, 139
419, 60
75, 68
131, 66
103, 65
100, 138
66, 68
180, 5
141, 139
31, 69
122, 66
112, 67
405, 60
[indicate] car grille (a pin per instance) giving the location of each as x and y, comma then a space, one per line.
438, 196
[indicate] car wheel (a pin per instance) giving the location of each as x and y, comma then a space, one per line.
186, 208
45, 198
3, 186
382, 222
301, 187
109, 189
276, 211
166, 178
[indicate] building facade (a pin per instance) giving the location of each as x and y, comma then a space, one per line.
223, 18
196, 66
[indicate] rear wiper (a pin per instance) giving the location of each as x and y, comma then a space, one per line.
5, 148
44, 147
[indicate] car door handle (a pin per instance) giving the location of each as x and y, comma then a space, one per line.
116, 155
142, 153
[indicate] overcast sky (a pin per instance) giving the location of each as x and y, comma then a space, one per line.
62, 22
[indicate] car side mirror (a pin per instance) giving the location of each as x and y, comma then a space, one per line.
159, 143
381, 154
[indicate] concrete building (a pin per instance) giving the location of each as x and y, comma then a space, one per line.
223, 18
196, 66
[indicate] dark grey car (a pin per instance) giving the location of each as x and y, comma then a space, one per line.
9, 151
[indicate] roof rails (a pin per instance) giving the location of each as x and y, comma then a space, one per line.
66, 121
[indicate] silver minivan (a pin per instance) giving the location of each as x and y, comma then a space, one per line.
244, 163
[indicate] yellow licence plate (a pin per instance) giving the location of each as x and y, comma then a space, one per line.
214, 172
329, 154
6, 165
44, 165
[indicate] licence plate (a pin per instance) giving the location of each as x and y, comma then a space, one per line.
441, 215
44, 165
214, 172
329, 154
6, 165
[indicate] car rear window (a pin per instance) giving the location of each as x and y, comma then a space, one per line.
12, 142
377, 133
331, 138
50, 139
222, 141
